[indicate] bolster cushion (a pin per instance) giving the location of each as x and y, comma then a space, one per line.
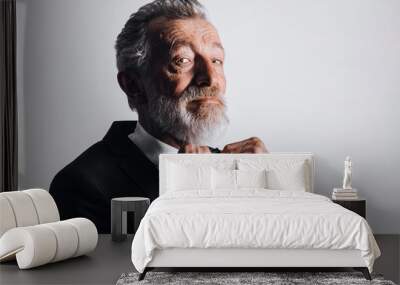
26, 208
40, 244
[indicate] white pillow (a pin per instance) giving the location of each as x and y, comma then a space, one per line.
181, 177
224, 179
287, 179
282, 174
251, 178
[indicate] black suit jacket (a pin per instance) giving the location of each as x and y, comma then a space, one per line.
112, 167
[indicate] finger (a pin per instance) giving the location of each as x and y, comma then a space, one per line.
234, 147
253, 147
201, 149
257, 145
204, 149
190, 148
250, 145
186, 148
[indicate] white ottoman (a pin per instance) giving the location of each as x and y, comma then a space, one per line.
31, 231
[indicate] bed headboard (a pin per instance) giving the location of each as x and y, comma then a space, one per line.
231, 160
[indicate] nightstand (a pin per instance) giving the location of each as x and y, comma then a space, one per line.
119, 208
358, 206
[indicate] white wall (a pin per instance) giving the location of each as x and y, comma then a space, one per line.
311, 75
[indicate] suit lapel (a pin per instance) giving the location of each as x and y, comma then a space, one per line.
131, 159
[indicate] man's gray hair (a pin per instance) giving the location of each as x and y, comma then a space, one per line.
132, 45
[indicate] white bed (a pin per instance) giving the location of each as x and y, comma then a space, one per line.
283, 224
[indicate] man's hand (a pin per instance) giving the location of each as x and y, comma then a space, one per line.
251, 145
190, 148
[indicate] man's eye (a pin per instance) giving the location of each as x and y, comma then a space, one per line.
182, 61
217, 61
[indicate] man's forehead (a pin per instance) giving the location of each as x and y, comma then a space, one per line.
179, 32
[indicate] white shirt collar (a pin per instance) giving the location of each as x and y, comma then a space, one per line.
149, 145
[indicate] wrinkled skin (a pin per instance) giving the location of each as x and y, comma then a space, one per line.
185, 52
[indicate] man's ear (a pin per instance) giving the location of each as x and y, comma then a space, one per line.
133, 87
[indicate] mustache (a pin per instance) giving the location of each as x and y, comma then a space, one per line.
194, 92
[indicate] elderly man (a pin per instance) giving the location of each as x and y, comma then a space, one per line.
170, 63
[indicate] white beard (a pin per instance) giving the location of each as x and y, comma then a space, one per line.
170, 115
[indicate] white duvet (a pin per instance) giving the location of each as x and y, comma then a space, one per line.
250, 218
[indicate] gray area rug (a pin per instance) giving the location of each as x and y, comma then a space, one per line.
273, 278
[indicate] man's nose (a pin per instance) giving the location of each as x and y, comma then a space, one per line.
204, 74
